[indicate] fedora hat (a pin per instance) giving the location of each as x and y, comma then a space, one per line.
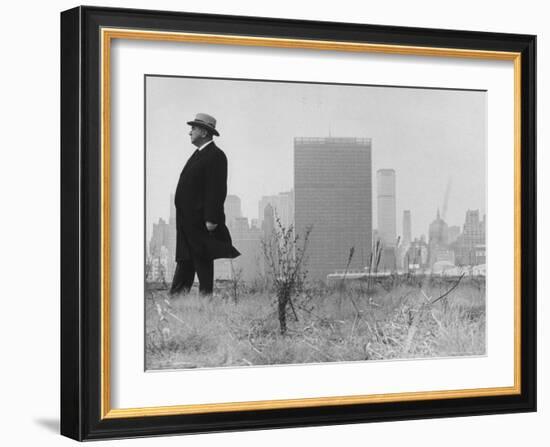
206, 121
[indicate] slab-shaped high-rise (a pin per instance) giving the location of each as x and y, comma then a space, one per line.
385, 185
333, 193
407, 232
232, 209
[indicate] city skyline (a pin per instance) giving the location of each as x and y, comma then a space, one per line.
445, 245
427, 136
400, 232
419, 231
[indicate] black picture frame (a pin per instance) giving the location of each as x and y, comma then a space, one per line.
82, 394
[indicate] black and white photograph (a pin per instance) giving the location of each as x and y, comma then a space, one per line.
295, 222
275, 223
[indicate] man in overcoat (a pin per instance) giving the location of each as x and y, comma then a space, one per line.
202, 235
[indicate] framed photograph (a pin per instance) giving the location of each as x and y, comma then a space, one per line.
275, 223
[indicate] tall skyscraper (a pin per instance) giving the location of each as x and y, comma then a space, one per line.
333, 194
405, 243
232, 209
268, 223
283, 207
438, 240
162, 245
385, 192
470, 245
438, 233
474, 228
262, 204
159, 238
407, 232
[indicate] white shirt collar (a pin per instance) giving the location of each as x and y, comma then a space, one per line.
204, 145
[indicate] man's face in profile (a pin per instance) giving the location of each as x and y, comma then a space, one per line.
196, 133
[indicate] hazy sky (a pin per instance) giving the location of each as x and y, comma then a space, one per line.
430, 137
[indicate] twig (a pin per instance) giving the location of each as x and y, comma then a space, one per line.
292, 307
448, 291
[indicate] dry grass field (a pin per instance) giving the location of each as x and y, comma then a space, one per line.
398, 319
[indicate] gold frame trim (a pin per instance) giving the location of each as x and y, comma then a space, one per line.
107, 35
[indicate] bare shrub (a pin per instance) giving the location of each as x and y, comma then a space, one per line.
236, 283
285, 252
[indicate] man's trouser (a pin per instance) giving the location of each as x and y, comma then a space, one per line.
185, 275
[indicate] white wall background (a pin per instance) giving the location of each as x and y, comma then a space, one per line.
29, 176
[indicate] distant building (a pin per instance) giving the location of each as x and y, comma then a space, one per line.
474, 228
157, 268
438, 240
333, 194
164, 236
159, 238
388, 260
453, 233
247, 240
268, 221
469, 247
283, 207
438, 233
385, 194
232, 209
416, 256
407, 230
405, 242
442, 254
239, 227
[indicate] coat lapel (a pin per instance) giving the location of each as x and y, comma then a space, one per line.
190, 162
196, 157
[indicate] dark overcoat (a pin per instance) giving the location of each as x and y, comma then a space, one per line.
200, 195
